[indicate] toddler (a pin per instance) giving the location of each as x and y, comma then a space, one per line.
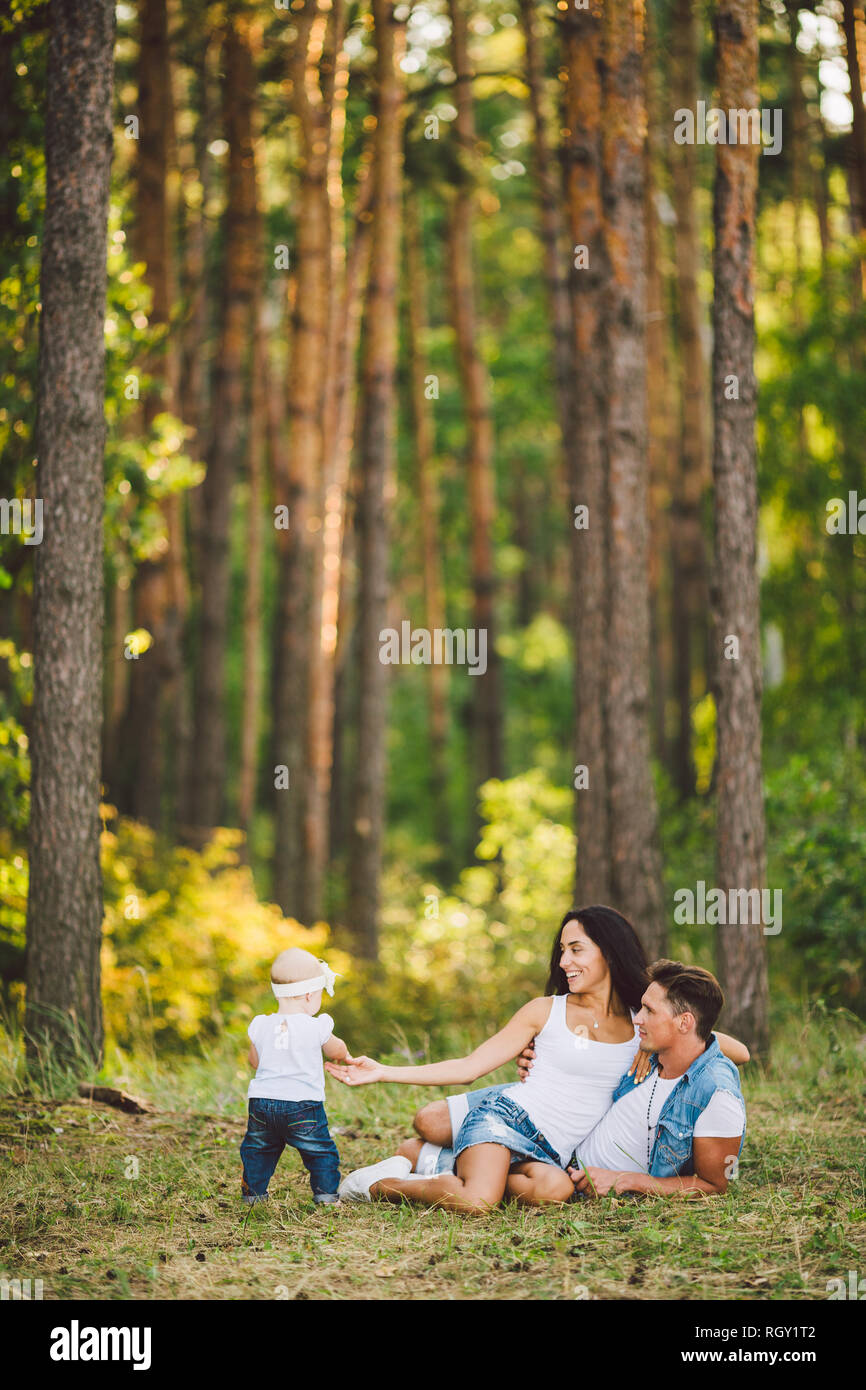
287, 1092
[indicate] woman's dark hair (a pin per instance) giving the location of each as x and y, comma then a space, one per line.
618, 942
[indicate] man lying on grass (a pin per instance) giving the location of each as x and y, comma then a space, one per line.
502, 1147
642, 1143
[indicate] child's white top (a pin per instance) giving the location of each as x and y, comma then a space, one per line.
289, 1048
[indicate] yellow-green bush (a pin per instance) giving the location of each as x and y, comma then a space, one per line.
187, 944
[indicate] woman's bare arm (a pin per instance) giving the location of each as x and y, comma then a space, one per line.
737, 1051
459, 1071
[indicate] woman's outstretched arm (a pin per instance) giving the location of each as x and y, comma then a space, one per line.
460, 1071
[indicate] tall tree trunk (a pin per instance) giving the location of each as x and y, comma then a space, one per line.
306, 396
116, 678
195, 336
256, 445
660, 396
689, 590
340, 584
155, 723
858, 137
635, 860
376, 451
582, 33
741, 954
552, 228
253, 594
331, 492
239, 91
800, 162
428, 505
486, 715
345, 659
64, 908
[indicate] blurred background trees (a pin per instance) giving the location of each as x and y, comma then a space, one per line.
394, 294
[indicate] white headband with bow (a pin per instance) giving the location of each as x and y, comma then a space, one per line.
323, 981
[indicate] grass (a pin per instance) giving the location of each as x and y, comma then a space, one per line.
99, 1204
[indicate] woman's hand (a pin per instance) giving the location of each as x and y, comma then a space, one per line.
359, 1072
641, 1065
525, 1060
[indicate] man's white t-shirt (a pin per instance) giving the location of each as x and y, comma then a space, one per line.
289, 1048
619, 1140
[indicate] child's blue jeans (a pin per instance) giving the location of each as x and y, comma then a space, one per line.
302, 1124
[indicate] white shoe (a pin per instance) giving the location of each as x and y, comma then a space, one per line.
356, 1187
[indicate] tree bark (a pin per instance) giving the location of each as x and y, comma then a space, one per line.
486, 713
64, 909
195, 335
342, 336
858, 136
689, 561
256, 446
582, 33
155, 725
376, 453
428, 506
661, 393
209, 763
253, 594
741, 954
635, 859
552, 228
306, 396
340, 586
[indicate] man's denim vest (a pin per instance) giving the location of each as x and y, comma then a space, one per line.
672, 1150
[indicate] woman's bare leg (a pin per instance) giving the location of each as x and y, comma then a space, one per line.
476, 1187
433, 1123
410, 1148
539, 1184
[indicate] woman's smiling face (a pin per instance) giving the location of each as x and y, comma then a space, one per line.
584, 965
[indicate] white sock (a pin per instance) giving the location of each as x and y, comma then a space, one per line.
425, 1163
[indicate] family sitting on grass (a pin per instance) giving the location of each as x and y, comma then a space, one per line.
590, 1115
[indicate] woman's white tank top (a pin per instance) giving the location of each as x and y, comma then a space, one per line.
572, 1081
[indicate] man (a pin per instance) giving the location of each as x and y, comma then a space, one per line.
677, 1132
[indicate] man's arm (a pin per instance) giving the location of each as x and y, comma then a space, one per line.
253, 1056
711, 1159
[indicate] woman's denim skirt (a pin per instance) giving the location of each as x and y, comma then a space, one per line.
499, 1120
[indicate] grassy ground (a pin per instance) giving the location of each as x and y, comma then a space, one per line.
103, 1205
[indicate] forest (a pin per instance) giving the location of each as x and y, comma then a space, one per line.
430, 499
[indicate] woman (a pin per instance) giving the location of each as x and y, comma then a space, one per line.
584, 1039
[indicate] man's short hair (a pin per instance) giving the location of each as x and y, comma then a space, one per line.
690, 989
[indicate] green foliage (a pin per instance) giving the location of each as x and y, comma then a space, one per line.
16, 693
816, 813
811, 426
467, 958
142, 465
